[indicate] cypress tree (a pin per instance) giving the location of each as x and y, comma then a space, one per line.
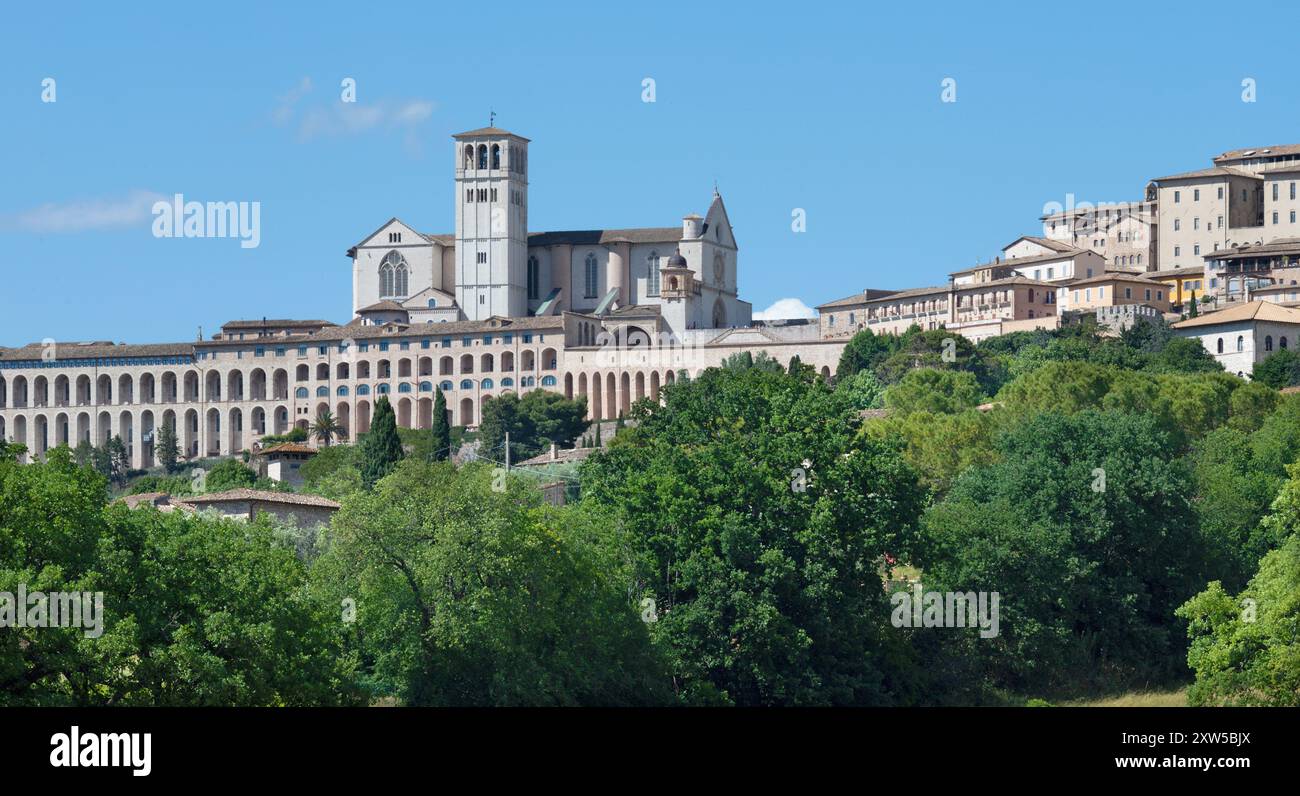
440, 447
382, 449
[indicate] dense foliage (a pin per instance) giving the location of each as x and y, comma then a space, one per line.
742, 541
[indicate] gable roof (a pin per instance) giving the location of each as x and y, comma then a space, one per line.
1216, 171
1250, 311
1262, 151
1047, 243
380, 306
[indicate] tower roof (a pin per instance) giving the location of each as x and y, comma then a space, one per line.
488, 131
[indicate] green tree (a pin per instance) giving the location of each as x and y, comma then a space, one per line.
865, 351
930, 390
196, 611
326, 428
939, 446
1084, 526
943, 350
167, 448
381, 448
1279, 369
1244, 649
440, 432
1250, 405
863, 389
229, 474
758, 523
83, 455
470, 595
119, 462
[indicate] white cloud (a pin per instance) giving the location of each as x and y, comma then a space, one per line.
786, 308
351, 118
283, 112
87, 214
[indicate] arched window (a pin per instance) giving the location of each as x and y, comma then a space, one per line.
507, 382
1281, 343
719, 269
486, 384
469, 156
1241, 343
446, 385
590, 274
403, 387
1268, 342
533, 281
548, 381
496, 156
652, 277
1220, 345
363, 389
322, 391
394, 276
482, 156
342, 390
301, 392
384, 389
466, 384
426, 386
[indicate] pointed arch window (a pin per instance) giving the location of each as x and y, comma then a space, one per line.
652, 282
394, 276
590, 272
533, 281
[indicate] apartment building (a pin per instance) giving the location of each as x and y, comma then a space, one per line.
1124, 233
1203, 211
1112, 289
1035, 258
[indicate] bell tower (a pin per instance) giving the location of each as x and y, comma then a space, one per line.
491, 223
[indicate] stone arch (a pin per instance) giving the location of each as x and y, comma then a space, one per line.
62, 391
235, 385
212, 386
343, 414
257, 385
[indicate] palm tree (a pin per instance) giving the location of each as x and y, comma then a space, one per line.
326, 427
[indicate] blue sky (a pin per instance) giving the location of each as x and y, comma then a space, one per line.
827, 107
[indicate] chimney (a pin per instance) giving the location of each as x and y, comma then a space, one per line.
555, 452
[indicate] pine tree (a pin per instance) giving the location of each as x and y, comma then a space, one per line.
440, 446
597, 445
1192, 309
167, 448
382, 449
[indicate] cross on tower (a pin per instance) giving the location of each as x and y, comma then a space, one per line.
492, 118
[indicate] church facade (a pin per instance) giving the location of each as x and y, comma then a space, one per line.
607, 315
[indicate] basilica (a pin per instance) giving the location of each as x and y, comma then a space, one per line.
608, 315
